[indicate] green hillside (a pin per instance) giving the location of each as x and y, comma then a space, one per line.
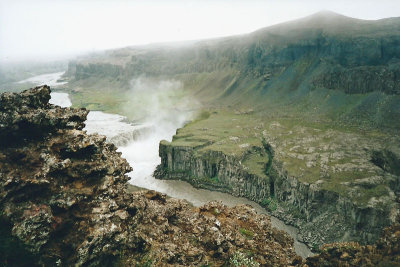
326, 65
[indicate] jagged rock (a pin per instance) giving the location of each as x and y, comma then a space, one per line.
28, 115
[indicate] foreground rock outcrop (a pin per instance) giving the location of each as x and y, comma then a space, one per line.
64, 201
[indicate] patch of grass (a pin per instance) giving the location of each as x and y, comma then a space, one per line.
214, 180
207, 180
146, 263
223, 131
100, 100
203, 115
368, 193
315, 248
247, 233
255, 163
269, 203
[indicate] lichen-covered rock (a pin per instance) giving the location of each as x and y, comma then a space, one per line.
63, 196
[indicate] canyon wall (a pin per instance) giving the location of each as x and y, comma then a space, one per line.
322, 216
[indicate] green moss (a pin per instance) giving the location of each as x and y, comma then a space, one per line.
215, 180
146, 261
216, 212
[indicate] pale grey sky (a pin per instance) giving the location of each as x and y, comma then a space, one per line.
37, 29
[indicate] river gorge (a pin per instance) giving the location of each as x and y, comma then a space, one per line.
139, 144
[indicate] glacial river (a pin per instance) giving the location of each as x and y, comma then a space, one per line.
141, 151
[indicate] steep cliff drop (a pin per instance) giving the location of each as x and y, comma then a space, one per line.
64, 201
325, 182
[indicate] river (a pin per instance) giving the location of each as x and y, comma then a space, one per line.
50, 79
141, 151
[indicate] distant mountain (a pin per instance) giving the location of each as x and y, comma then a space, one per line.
347, 69
334, 23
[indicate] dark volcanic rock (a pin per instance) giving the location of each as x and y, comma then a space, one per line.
64, 201
28, 115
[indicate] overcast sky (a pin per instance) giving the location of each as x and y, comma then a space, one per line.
38, 29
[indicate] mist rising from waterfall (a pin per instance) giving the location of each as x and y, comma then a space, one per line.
163, 104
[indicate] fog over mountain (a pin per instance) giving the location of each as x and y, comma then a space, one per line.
53, 29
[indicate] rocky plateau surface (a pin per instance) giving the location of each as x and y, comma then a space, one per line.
333, 185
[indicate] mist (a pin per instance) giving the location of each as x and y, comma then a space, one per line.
46, 29
164, 107
160, 102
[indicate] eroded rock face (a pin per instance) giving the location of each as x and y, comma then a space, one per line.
322, 216
28, 115
64, 196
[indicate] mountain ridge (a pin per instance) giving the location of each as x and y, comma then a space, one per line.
324, 14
